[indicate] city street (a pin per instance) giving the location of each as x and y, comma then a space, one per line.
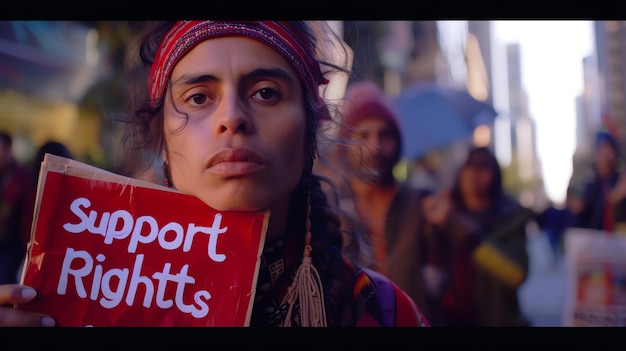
543, 294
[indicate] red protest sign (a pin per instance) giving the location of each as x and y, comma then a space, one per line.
112, 251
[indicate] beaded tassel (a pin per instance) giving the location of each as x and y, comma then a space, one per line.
307, 286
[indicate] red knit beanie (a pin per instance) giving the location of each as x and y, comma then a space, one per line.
365, 99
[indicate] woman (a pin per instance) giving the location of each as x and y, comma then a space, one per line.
233, 111
475, 255
603, 196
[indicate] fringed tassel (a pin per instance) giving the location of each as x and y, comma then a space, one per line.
306, 287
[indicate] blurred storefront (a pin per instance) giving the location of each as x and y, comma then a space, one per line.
47, 68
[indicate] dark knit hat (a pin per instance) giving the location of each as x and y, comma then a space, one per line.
605, 136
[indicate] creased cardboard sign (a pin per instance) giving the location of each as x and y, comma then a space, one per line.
596, 278
108, 250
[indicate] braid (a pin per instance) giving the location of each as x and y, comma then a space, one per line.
327, 242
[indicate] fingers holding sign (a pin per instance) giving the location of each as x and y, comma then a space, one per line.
14, 294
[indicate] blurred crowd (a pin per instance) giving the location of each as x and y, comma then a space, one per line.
459, 252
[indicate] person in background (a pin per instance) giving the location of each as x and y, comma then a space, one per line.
388, 209
476, 256
604, 194
555, 220
232, 112
14, 213
52, 147
49, 147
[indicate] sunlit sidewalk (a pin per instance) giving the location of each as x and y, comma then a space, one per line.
543, 294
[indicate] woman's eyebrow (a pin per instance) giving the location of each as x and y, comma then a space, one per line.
261, 73
257, 74
188, 79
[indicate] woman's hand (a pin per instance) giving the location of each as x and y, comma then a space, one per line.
11, 294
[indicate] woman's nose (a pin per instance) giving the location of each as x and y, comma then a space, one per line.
233, 117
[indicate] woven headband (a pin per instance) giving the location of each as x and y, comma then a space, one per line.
279, 35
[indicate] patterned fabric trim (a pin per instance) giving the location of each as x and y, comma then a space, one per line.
380, 303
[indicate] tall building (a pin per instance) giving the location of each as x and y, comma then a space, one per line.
517, 95
588, 120
479, 46
479, 80
522, 171
602, 104
610, 40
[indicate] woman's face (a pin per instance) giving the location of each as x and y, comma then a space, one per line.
235, 125
606, 159
476, 176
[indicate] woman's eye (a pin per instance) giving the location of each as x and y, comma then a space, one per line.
198, 99
266, 94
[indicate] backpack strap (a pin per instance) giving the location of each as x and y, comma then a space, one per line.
380, 303
376, 299
385, 296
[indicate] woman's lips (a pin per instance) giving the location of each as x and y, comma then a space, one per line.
235, 162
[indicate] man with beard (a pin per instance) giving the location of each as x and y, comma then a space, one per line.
389, 210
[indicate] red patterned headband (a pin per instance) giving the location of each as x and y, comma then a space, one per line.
280, 35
